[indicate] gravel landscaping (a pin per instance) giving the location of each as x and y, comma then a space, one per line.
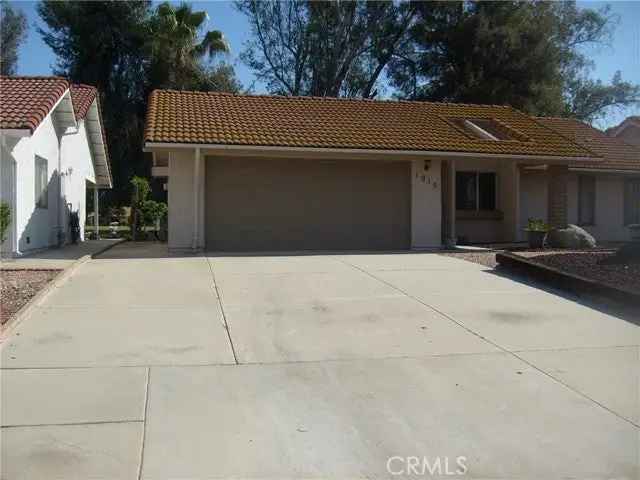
486, 258
591, 264
17, 287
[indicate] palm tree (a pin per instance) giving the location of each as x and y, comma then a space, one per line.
177, 48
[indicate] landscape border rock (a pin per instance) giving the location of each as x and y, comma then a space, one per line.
569, 282
572, 237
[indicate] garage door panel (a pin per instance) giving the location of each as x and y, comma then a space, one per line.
297, 204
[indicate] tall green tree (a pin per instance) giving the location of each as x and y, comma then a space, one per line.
324, 48
126, 49
180, 44
105, 44
13, 31
526, 54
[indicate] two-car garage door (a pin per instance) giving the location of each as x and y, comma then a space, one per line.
263, 204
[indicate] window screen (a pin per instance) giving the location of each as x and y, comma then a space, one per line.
475, 191
586, 200
466, 190
487, 191
41, 181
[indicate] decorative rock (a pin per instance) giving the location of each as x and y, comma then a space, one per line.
572, 237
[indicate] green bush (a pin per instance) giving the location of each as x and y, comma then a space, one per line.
537, 225
5, 220
153, 212
140, 192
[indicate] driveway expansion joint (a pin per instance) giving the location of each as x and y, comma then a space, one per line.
496, 345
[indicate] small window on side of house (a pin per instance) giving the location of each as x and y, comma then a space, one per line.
586, 200
632, 201
41, 182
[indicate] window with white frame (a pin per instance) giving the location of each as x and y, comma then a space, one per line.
476, 191
586, 200
632, 201
41, 182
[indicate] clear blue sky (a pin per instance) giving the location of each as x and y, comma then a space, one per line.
623, 53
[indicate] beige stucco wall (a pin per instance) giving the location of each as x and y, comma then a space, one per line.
493, 230
181, 199
533, 198
426, 204
425, 201
609, 214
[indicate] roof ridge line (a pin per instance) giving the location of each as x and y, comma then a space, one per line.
327, 98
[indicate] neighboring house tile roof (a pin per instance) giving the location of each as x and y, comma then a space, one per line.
82, 97
617, 154
632, 120
26, 101
277, 121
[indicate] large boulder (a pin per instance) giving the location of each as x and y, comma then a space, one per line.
572, 237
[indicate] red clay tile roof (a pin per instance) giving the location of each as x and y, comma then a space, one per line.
26, 101
253, 120
617, 154
82, 97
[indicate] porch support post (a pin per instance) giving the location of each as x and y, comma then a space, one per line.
557, 200
195, 243
96, 211
451, 238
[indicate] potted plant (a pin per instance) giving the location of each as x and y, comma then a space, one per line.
536, 232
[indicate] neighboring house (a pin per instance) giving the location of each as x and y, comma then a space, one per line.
603, 198
628, 130
269, 173
53, 149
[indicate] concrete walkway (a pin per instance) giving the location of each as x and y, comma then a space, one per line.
58, 258
315, 366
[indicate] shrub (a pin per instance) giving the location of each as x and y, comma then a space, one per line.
537, 225
153, 212
5, 220
141, 189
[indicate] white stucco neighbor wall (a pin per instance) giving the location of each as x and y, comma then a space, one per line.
426, 204
78, 169
69, 159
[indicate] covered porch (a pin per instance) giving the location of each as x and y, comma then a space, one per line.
482, 198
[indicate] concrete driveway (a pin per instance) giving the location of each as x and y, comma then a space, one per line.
316, 366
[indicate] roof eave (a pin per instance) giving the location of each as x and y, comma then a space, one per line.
253, 149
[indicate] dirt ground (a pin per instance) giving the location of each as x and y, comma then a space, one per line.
17, 287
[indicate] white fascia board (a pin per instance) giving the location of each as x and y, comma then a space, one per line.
604, 170
95, 138
149, 146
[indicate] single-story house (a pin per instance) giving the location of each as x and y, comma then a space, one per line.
603, 198
628, 130
53, 148
270, 173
